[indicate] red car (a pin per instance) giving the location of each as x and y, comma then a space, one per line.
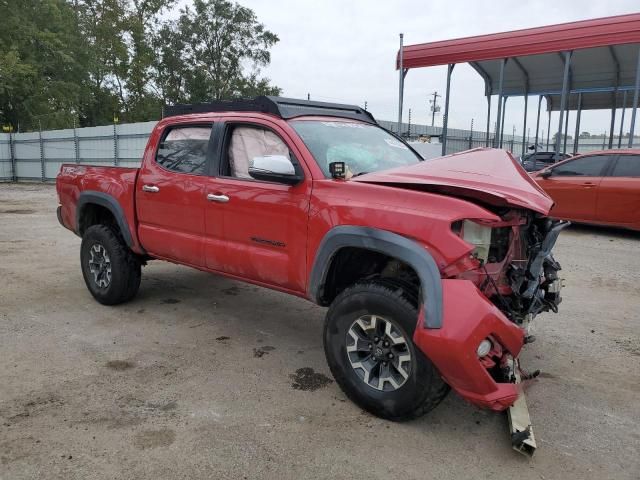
601, 188
431, 270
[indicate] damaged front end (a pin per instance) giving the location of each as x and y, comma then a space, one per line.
512, 265
490, 297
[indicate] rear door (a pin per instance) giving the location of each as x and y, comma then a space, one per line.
170, 200
619, 192
573, 186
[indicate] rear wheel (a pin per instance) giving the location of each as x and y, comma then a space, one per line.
368, 343
111, 271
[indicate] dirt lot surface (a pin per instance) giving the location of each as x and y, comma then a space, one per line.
204, 377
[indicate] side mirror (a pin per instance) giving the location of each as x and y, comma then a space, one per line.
546, 173
274, 168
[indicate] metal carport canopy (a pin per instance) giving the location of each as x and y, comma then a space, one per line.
601, 57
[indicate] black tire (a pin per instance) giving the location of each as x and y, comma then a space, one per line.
125, 271
421, 391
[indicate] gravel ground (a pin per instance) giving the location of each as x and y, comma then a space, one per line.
203, 377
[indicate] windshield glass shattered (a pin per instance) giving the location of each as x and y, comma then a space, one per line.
362, 147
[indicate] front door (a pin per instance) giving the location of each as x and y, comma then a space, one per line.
573, 186
264, 223
170, 199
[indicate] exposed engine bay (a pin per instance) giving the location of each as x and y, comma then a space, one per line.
515, 267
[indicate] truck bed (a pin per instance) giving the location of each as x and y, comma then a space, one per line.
99, 182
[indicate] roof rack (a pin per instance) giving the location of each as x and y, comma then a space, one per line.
285, 108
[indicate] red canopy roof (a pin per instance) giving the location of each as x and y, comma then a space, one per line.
599, 32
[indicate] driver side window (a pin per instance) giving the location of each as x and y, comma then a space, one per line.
593, 166
247, 142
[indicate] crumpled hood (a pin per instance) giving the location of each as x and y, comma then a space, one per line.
489, 175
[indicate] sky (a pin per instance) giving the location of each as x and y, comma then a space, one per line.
344, 51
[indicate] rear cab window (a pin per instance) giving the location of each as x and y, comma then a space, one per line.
627, 166
592, 166
184, 149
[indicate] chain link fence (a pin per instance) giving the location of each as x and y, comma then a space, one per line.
37, 156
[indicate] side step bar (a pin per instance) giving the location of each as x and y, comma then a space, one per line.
522, 438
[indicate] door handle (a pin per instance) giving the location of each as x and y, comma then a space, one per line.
150, 188
588, 185
217, 198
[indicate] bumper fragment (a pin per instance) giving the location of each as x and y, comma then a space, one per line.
522, 438
468, 318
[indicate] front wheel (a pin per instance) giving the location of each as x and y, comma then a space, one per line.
111, 271
368, 343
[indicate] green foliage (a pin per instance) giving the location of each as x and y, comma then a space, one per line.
221, 37
88, 61
41, 71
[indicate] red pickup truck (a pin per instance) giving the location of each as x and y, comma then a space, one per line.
431, 270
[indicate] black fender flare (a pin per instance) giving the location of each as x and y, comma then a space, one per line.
107, 201
388, 243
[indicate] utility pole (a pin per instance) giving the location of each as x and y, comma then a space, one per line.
434, 107
409, 132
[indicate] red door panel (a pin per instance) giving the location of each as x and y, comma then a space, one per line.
574, 185
264, 223
265, 227
574, 197
619, 201
171, 199
619, 194
171, 220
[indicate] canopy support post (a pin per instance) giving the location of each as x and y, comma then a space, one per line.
566, 129
577, 134
524, 128
401, 74
548, 126
486, 142
445, 121
614, 95
635, 103
496, 140
624, 107
563, 101
535, 145
613, 121
504, 109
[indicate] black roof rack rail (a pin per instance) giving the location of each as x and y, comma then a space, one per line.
285, 108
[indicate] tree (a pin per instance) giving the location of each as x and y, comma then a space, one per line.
142, 20
584, 135
86, 61
170, 73
103, 28
222, 38
41, 71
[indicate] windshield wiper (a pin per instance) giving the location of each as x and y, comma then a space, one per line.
359, 173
